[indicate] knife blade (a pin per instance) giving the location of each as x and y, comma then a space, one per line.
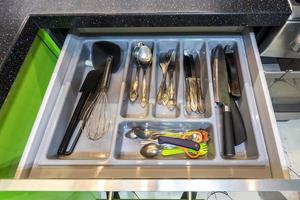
201, 101
222, 98
231, 61
193, 85
187, 73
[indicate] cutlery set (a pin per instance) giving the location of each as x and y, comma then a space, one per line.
94, 117
193, 88
192, 143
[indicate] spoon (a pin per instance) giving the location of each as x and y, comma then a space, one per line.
133, 95
138, 132
144, 59
151, 150
175, 151
141, 133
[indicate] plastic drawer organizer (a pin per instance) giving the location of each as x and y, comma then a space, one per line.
114, 149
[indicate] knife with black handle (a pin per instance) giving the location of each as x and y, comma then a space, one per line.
232, 60
222, 98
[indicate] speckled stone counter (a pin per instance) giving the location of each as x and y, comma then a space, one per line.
20, 20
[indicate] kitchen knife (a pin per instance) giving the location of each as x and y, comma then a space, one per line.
222, 98
239, 130
187, 74
193, 85
199, 80
231, 61
238, 124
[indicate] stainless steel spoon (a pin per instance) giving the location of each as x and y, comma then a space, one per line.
144, 59
133, 94
141, 133
138, 132
150, 150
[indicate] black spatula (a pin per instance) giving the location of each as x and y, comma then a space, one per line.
89, 86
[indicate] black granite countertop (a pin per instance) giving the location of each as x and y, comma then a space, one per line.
20, 20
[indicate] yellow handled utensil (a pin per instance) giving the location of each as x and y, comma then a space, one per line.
174, 151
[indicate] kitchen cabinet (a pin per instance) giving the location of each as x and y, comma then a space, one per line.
39, 169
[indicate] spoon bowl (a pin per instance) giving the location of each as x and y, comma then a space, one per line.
144, 59
150, 150
143, 55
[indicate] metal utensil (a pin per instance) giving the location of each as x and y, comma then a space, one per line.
201, 102
238, 124
193, 85
175, 151
187, 73
134, 93
98, 116
141, 133
138, 132
150, 150
162, 96
239, 130
171, 89
231, 61
222, 98
144, 59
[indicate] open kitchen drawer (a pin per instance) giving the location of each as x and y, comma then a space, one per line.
115, 157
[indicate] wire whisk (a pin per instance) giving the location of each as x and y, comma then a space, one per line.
97, 119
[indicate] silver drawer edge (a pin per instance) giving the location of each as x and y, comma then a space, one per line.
53, 87
150, 185
277, 162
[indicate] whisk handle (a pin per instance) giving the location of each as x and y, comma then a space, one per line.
107, 73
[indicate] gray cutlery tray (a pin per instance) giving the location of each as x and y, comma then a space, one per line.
114, 148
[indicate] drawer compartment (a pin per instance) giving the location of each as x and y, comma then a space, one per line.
114, 150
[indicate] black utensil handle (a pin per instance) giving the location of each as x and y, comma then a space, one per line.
70, 151
239, 129
72, 124
179, 142
228, 140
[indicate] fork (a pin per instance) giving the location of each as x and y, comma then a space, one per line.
171, 89
162, 97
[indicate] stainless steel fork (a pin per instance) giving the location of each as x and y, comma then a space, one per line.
162, 96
